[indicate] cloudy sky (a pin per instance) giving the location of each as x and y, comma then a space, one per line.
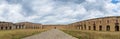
56, 11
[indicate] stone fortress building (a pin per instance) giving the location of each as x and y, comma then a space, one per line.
111, 23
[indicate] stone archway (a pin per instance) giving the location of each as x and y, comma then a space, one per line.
6, 28
16, 27
10, 27
54, 27
107, 28
84, 26
89, 27
20, 27
100, 28
94, 27
1, 28
116, 28
81, 27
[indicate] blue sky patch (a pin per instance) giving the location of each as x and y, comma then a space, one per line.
56, 11
115, 1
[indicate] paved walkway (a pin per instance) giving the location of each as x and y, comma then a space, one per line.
51, 34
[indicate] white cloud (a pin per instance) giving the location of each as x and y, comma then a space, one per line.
109, 6
91, 1
53, 12
11, 12
42, 7
93, 14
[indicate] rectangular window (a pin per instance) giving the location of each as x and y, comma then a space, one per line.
107, 21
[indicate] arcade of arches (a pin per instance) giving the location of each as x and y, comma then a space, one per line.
111, 23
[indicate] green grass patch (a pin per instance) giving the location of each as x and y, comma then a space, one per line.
93, 34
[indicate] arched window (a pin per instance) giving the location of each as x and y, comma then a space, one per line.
107, 21
89, 27
116, 21
6, 27
20, 27
10, 27
108, 28
94, 27
81, 27
116, 28
54, 27
85, 26
16, 27
1, 28
100, 28
100, 22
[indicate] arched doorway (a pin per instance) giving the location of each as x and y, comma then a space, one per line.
89, 27
6, 27
81, 27
10, 27
94, 27
100, 28
84, 26
107, 28
19, 27
16, 27
54, 27
116, 28
1, 28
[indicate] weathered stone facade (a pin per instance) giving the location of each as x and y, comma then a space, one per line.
29, 25
21, 25
98, 24
54, 26
6, 26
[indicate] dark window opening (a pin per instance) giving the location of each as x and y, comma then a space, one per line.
117, 21
100, 28
1, 28
94, 27
89, 27
19, 27
100, 22
81, 27
108, 28
107, 21
6, 28
10, 27
54, 27
116, 28
85, 26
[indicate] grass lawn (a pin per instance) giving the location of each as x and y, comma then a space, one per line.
18, 34
93, 34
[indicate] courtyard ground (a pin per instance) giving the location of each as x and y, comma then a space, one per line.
51, 34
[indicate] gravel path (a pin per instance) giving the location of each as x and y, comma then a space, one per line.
51, 34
